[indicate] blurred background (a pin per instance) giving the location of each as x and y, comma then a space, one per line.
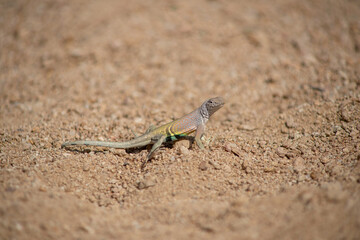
286, 140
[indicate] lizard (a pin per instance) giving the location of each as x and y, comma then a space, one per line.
178, 129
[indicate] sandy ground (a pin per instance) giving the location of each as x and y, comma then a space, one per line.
281, 158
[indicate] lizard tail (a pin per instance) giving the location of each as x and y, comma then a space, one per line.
130, 144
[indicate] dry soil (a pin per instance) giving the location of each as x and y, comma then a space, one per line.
281, 158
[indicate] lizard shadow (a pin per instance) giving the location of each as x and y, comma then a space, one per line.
148, 147
87, 149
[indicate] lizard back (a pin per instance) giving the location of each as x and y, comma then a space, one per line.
180, 127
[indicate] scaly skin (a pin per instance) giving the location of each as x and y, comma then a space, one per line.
172, 131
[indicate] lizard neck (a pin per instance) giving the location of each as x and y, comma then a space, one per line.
204, 113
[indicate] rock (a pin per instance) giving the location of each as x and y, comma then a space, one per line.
245, 163
354, 134
299, 164
115, 45
236, 151
280, 151
336, 171
227, 168
86, 167
315, 175
76, 53
214, 164
42, 188
184, 150
336, 129
146, 183
86, 228
290, 155
325, 160
18, 227
306, 197
140, 185
72, 133
203, 166
262, 143
284, 130
232, 148
35, 130
310, 59
290, 123
48, 61
138, 120
301, 178
269, 169
345, 113
227, 147
346, 150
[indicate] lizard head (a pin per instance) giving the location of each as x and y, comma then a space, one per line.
210, 106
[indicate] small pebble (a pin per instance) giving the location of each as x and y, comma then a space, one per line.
86, 167
35, 130
145, 184
269, 169
203, 166
325, 160
280, 151
306, 197
184, 150
301, 178
227, 168
214, 164
345, 115
336, 171
290, 123
315, 175
233, 148
18, 227
76, 53
299, 164
228, 146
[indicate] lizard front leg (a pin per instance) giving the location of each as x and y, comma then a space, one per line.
200, 130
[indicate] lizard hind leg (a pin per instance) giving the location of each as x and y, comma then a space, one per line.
157, 144
151, 127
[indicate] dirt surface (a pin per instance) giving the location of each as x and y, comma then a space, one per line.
281, 158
